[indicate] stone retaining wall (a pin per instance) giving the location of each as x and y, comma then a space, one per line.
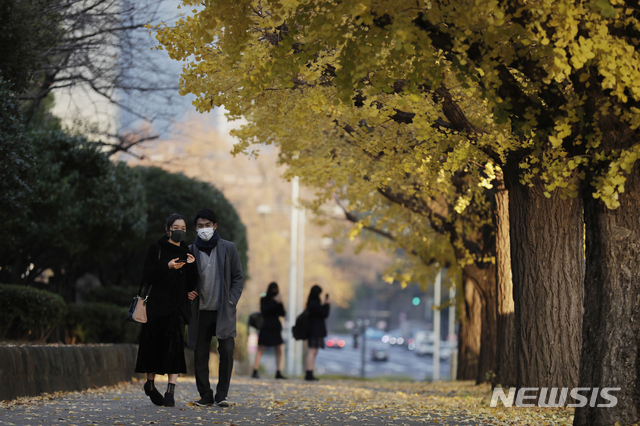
32, 370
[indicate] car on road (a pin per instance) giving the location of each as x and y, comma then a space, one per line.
394, 338
335, 343
427, 347
380, 352
374, 334
377, 343
379, 355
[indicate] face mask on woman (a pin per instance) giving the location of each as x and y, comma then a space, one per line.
205, 234
177, 235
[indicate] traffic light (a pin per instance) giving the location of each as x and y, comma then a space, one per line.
416, 301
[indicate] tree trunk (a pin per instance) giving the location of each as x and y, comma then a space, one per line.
547, 263
485, 281
506, 372
470, 330
611, 329
479, 288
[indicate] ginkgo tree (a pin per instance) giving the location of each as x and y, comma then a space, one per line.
561, 76
292, 132
390, 177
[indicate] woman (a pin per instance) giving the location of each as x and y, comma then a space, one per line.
318, 313
170, 270
270, 333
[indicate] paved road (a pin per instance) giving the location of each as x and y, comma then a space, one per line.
254, 402
347, 361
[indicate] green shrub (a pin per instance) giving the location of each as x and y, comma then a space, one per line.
99, 323
29, 313
114, 295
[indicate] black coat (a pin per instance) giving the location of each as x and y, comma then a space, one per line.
317, 315
271, 311
169, 286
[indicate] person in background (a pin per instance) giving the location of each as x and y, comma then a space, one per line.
318, 313
271, 332
170, 269
214, 314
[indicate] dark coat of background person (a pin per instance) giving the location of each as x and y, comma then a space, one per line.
230, 292
169, 286
318, 313
271, 331
271, 311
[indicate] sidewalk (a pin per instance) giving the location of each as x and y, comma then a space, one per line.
258, 402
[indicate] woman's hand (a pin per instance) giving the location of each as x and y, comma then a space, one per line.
192, 295
174, 264
278, 298
190, 258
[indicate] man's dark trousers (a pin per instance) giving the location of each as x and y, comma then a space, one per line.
206, 330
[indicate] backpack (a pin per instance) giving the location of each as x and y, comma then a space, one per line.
301, 328
256, 320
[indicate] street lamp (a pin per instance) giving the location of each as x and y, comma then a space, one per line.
436, 327
293, 279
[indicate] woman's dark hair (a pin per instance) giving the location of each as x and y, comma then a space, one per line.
314, 294
272, 290
172, 218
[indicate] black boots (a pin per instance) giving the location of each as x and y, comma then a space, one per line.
153, 394
255, 375
156, 397
310, 376
169, 400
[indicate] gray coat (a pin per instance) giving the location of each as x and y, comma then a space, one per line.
231, 281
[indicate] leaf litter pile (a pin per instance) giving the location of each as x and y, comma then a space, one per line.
286, 402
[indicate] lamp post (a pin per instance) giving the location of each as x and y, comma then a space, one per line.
451, 337
436, 327
293, 279
299, 361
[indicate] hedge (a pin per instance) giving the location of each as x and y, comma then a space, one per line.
29, 313
115, 295
99, 323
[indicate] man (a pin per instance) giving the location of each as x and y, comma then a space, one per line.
214, 307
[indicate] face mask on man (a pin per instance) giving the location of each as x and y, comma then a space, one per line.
177, 235
205, 234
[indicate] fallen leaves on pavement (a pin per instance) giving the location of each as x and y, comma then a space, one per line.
281, 402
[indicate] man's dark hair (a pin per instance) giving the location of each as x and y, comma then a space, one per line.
206, 214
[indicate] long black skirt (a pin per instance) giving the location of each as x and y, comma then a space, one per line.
161, 349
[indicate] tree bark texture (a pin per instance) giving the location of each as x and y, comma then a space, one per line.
506, 372
547, 263
470, 330
484, 279
611, 329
